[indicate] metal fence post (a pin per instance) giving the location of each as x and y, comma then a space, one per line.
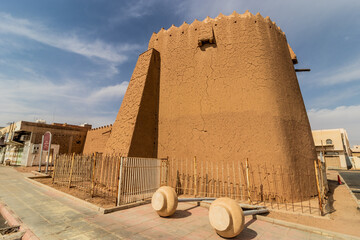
55, 161
120, 181
48, 156
42, 143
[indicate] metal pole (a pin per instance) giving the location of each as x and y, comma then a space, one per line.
303, 70
42, 143
195, 199
120, 181
48, 158
254, 212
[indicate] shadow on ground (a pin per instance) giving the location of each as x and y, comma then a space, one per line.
329, 207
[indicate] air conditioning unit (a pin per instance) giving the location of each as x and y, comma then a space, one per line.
24, 138
35, 148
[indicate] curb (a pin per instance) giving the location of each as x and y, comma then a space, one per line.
306, 228
126, 206
300, 214
83, 202
36, 173
25, 233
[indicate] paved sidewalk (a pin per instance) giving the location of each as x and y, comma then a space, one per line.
50, 215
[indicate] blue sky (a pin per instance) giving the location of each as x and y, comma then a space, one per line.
71, 60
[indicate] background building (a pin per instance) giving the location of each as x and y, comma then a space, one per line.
355, 159
333, 146
20, 142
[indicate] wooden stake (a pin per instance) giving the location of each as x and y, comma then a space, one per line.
71, 169
195, 177
240, 182
233, 181
318, 188
168, 173
247, 180
206, 185
93, 177
102, 169
321, 178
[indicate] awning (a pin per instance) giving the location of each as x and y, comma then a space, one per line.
14, 143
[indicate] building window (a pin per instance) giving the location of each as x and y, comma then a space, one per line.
332, 153
328, 141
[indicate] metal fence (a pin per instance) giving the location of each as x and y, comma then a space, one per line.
140, 178
121, 180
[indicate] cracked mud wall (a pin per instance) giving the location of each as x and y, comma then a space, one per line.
224, 89
233, 99
134, 132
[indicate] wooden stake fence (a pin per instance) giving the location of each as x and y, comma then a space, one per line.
270, 185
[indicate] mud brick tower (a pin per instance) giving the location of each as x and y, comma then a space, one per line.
222, 88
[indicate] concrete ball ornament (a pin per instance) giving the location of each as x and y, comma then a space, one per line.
165, 201
226, 217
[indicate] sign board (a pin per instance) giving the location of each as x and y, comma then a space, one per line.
47, 140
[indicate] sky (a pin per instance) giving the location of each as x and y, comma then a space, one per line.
71, 60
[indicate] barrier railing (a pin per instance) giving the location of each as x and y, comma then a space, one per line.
123, 180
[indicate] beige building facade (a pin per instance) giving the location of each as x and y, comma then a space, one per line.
20, 142
332, 146
355, 159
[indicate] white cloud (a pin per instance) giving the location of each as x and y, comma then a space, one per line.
65, 41
135, 9
109, 92
340, 117
296, 18
69, 101
345, 74
334, 96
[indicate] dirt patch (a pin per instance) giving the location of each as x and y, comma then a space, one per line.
99, 201
26, 169
344, 217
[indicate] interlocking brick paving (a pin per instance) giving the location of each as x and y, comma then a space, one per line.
51, 215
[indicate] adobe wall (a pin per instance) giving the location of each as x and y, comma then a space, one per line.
71, 138
238, 98
96, 139
135, 129
228, 91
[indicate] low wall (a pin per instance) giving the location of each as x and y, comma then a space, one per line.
96, 139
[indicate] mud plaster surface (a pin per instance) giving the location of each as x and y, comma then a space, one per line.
135, 129
235, 99
96, 140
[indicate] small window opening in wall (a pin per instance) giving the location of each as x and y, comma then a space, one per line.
206, 41
328, 141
